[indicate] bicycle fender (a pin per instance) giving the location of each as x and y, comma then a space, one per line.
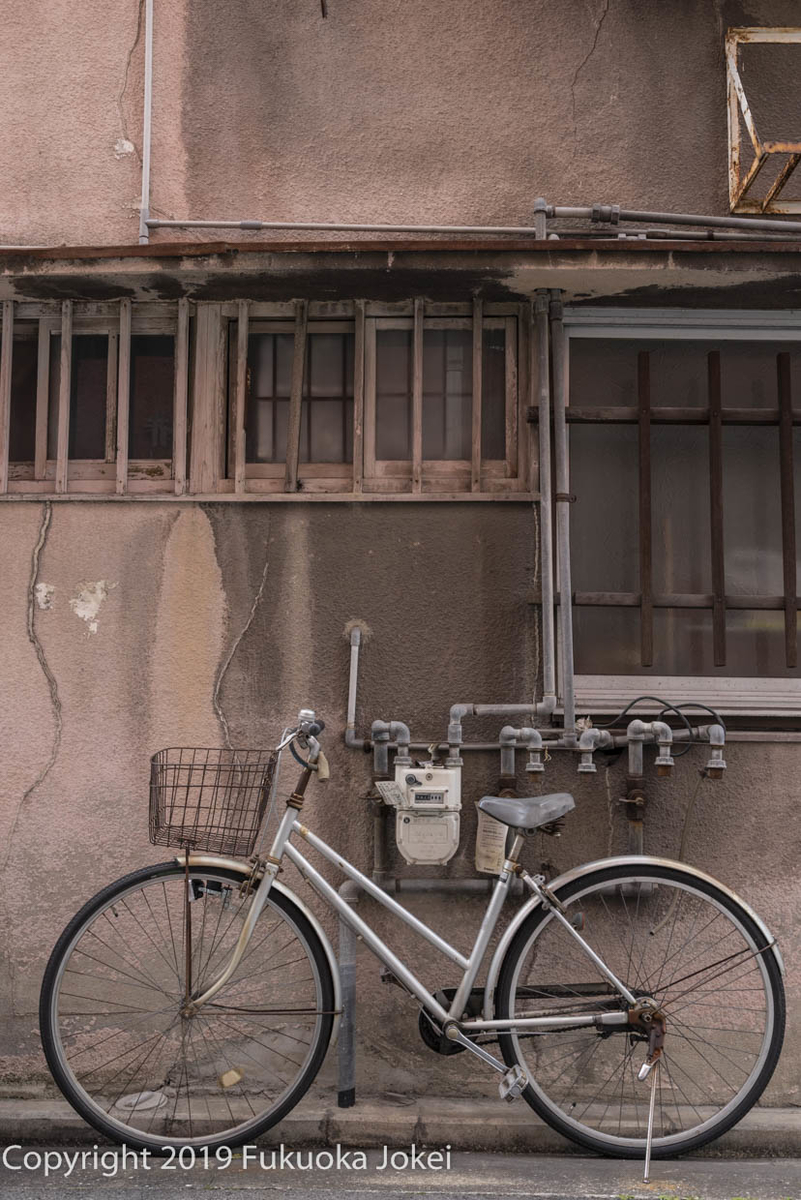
627, 860
244, 869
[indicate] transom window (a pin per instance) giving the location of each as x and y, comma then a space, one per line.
90, 398
336, 399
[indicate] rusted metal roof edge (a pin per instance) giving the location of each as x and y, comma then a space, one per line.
179, 250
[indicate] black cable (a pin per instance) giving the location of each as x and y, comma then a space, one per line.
297, 757
667, 707
704, 708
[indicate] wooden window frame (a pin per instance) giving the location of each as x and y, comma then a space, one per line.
775, 696
114, 474
271, 477
210, 404
433, 476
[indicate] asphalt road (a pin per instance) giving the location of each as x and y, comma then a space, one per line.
47, 1172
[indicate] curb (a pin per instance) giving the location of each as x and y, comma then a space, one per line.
480, 1125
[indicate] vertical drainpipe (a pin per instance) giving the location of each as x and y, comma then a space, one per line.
144, 208
559, 344
546, 511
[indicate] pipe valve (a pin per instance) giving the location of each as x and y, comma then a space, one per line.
717, 763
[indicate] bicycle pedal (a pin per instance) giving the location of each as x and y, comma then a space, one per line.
513, 1084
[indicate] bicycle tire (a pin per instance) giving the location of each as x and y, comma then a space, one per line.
687, 1063
59, 1026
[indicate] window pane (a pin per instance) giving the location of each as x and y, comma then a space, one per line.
752, 522
493, 395
151, 396
326, 434
604, 468
447, 393
22, 435
679, 508
87, 436
604, 535
748, 373
326, 418
607, 642
266, 416
604, 372
393, 408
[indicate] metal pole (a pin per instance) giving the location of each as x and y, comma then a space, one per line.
605, 213
144, 208
346, 1055
562, 497
546, 510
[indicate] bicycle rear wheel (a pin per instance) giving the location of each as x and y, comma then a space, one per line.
110, 1011
693, 949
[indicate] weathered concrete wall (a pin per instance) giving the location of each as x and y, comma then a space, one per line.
443, 589
460, 111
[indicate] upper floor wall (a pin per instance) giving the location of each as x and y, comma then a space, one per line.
461, 111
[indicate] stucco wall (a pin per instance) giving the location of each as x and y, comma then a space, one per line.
443, 589
460, 111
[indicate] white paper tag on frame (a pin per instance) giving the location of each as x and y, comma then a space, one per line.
490, 843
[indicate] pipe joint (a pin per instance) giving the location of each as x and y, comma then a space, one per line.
717, 763
664, 739
590, 741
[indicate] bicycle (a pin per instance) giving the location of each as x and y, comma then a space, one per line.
637, 1003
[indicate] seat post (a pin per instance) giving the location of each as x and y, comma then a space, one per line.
516, 847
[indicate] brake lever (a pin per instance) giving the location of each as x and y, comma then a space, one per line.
287, 738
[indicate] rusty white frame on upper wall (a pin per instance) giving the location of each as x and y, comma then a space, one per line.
739, 186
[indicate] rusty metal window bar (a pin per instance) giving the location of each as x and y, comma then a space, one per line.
727, 430
783, 155
92, 397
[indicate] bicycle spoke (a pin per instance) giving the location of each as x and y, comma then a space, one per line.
113, 973
665, 940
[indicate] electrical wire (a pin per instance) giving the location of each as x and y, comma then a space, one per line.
667, 707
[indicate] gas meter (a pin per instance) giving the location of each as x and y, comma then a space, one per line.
427, 800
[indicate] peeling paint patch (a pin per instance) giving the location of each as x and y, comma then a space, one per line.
87, 603
123, 147
44, 592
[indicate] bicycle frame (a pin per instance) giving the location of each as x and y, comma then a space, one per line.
283, 846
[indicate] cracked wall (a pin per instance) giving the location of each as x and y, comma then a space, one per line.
225, 619
459, 112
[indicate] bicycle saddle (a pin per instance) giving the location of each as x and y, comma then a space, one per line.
527, 812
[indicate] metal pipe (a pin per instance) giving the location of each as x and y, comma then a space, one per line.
396, 731
507, 742
562, 498
346, 1056
351, 739
613, 214
663, 736
341, 227
590, 741
147, 127
380, 856
531, 739
545, 510
607, 213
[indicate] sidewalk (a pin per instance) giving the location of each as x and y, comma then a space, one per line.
468, 1176
465, 1125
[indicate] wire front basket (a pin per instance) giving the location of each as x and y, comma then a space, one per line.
212, 800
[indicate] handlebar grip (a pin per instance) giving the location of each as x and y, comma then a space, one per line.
316, 727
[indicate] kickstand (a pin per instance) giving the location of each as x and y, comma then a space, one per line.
651, 1106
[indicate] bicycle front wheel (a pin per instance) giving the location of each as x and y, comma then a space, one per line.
674, 939
112, 1027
